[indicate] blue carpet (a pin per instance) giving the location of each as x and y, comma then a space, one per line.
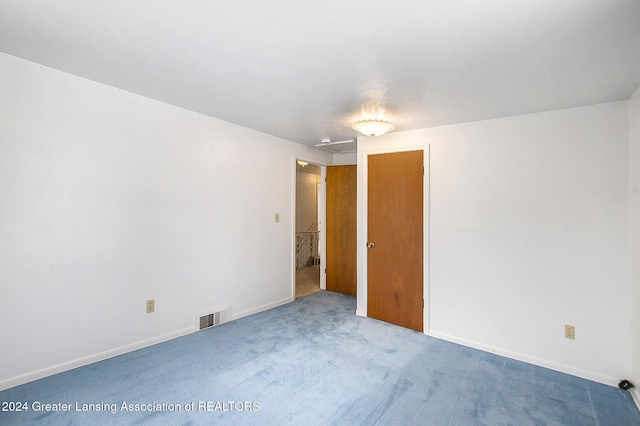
314, 362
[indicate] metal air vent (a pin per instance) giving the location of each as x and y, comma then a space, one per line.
212, 318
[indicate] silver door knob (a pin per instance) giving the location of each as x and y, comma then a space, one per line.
370, 245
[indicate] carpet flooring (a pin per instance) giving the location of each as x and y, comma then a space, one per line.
313, 362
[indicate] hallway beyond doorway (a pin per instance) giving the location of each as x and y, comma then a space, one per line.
307, 281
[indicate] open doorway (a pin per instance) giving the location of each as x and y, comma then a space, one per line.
307, 240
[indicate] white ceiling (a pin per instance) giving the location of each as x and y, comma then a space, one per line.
303, 70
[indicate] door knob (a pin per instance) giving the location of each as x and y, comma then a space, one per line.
370, 245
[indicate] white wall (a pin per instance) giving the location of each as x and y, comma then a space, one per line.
108, 199
345, 159
528, 231
634, 238
307, 201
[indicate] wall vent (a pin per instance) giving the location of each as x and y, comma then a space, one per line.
212, 318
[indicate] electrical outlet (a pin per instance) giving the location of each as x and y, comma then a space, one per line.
277, 218
569, 332
151, 305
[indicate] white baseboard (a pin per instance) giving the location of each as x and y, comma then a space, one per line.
49, 371
261, 308
65, 366
562, 368
635, 394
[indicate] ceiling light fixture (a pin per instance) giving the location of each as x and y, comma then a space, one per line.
302, 163
373, 126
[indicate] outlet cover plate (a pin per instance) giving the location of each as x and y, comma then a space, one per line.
569, 332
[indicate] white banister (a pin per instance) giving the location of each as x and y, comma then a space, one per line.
306, 249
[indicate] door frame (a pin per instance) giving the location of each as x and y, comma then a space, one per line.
369, 146
322, 226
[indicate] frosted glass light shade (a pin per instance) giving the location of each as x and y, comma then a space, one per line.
373, 126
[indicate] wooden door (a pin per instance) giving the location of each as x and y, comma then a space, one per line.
395, 232
341, 229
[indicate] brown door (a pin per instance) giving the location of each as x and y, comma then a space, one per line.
341, 229
395, 234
